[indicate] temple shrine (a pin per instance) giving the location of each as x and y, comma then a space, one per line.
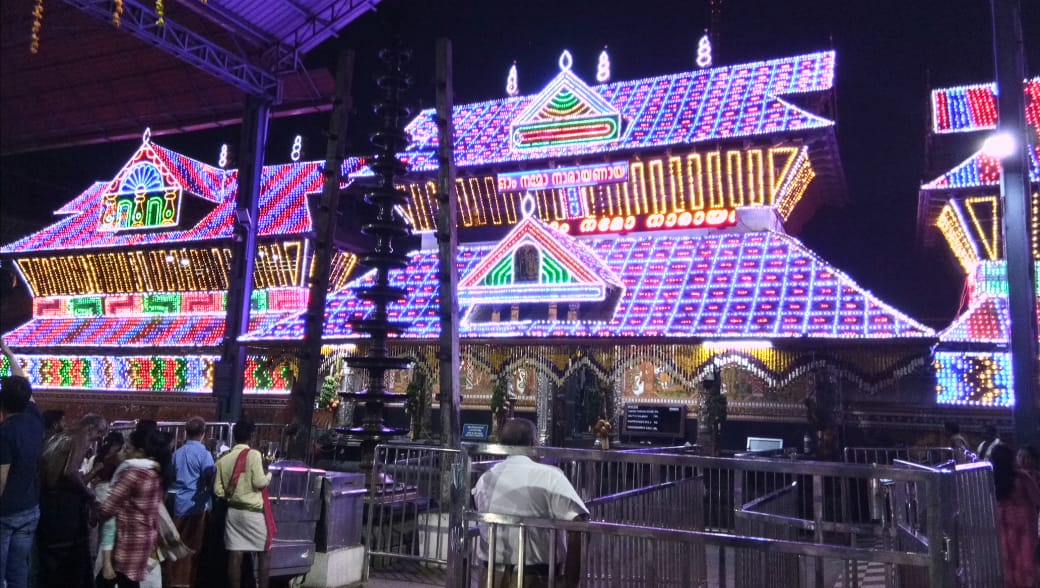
620, 242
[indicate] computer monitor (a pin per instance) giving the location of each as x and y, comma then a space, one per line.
764, 444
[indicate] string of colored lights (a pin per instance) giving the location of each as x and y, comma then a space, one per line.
760, 285
682, 108
775, 176
974, 107
953, 229
145, 304
190, 374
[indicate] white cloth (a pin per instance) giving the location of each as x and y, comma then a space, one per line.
245, 531
986, 450
521, 487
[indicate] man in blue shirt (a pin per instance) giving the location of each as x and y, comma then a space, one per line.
194, 466
21, 443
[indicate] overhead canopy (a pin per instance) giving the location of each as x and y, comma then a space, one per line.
92, 82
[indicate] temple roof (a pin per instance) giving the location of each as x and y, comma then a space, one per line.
985, 321
170, 330
750, 285
283, 206
679, 109
981, 170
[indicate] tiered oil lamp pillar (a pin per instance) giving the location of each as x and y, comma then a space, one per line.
387, 227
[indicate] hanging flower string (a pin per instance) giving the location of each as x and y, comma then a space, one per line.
117, 14
34, 45
161, 11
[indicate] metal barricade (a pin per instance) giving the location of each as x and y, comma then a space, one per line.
773, 516
414, 493
219, 432
797, 510
644, 561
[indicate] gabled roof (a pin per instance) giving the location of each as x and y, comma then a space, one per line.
283, 206
168, 331
581, 274
981, 170
685, 108
754, 285
986, 321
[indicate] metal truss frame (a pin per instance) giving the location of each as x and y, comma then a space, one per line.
189, 47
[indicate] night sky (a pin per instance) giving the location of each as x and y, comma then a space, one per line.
890, 54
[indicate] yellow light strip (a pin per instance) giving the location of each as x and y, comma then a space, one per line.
952, 227
990, 239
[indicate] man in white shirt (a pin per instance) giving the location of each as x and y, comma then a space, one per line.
522, 487
989, 441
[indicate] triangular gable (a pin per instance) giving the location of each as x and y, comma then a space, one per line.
143, 195
982, 170
739, 285
566, 111
556, 271
985, 321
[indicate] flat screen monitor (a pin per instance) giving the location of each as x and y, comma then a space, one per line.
655, 420
764, 444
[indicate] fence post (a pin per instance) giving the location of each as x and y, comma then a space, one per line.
939, 530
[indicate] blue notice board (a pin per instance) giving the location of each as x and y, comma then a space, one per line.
474, 431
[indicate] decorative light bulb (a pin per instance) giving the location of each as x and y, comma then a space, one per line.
704, 52
603, 67
999, 145
512, 88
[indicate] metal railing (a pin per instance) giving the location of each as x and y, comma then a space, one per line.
678, 519
220, 432
930, 456
416, 496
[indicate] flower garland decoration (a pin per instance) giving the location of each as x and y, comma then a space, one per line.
34, 46
161, 11
117, 13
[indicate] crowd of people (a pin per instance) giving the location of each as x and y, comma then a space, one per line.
83, 506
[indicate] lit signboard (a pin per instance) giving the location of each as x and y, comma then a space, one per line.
716, 218
564, 177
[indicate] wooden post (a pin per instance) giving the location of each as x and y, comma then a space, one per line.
325, 229
447, 248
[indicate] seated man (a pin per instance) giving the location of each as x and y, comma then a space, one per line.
521, 487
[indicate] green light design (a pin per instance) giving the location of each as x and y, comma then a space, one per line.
502, 274
553, 272
161, 303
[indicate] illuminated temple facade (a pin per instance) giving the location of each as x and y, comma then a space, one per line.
972, 360
634, 236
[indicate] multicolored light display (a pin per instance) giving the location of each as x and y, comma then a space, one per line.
974, 378
757, 285
974, 108
680, 109
696, 181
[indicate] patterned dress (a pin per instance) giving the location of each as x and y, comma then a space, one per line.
1017, 523
134, 501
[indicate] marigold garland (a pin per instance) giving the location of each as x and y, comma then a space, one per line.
117, 14
34, 45
161, 11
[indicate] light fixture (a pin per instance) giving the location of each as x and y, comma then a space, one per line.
1000, 145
